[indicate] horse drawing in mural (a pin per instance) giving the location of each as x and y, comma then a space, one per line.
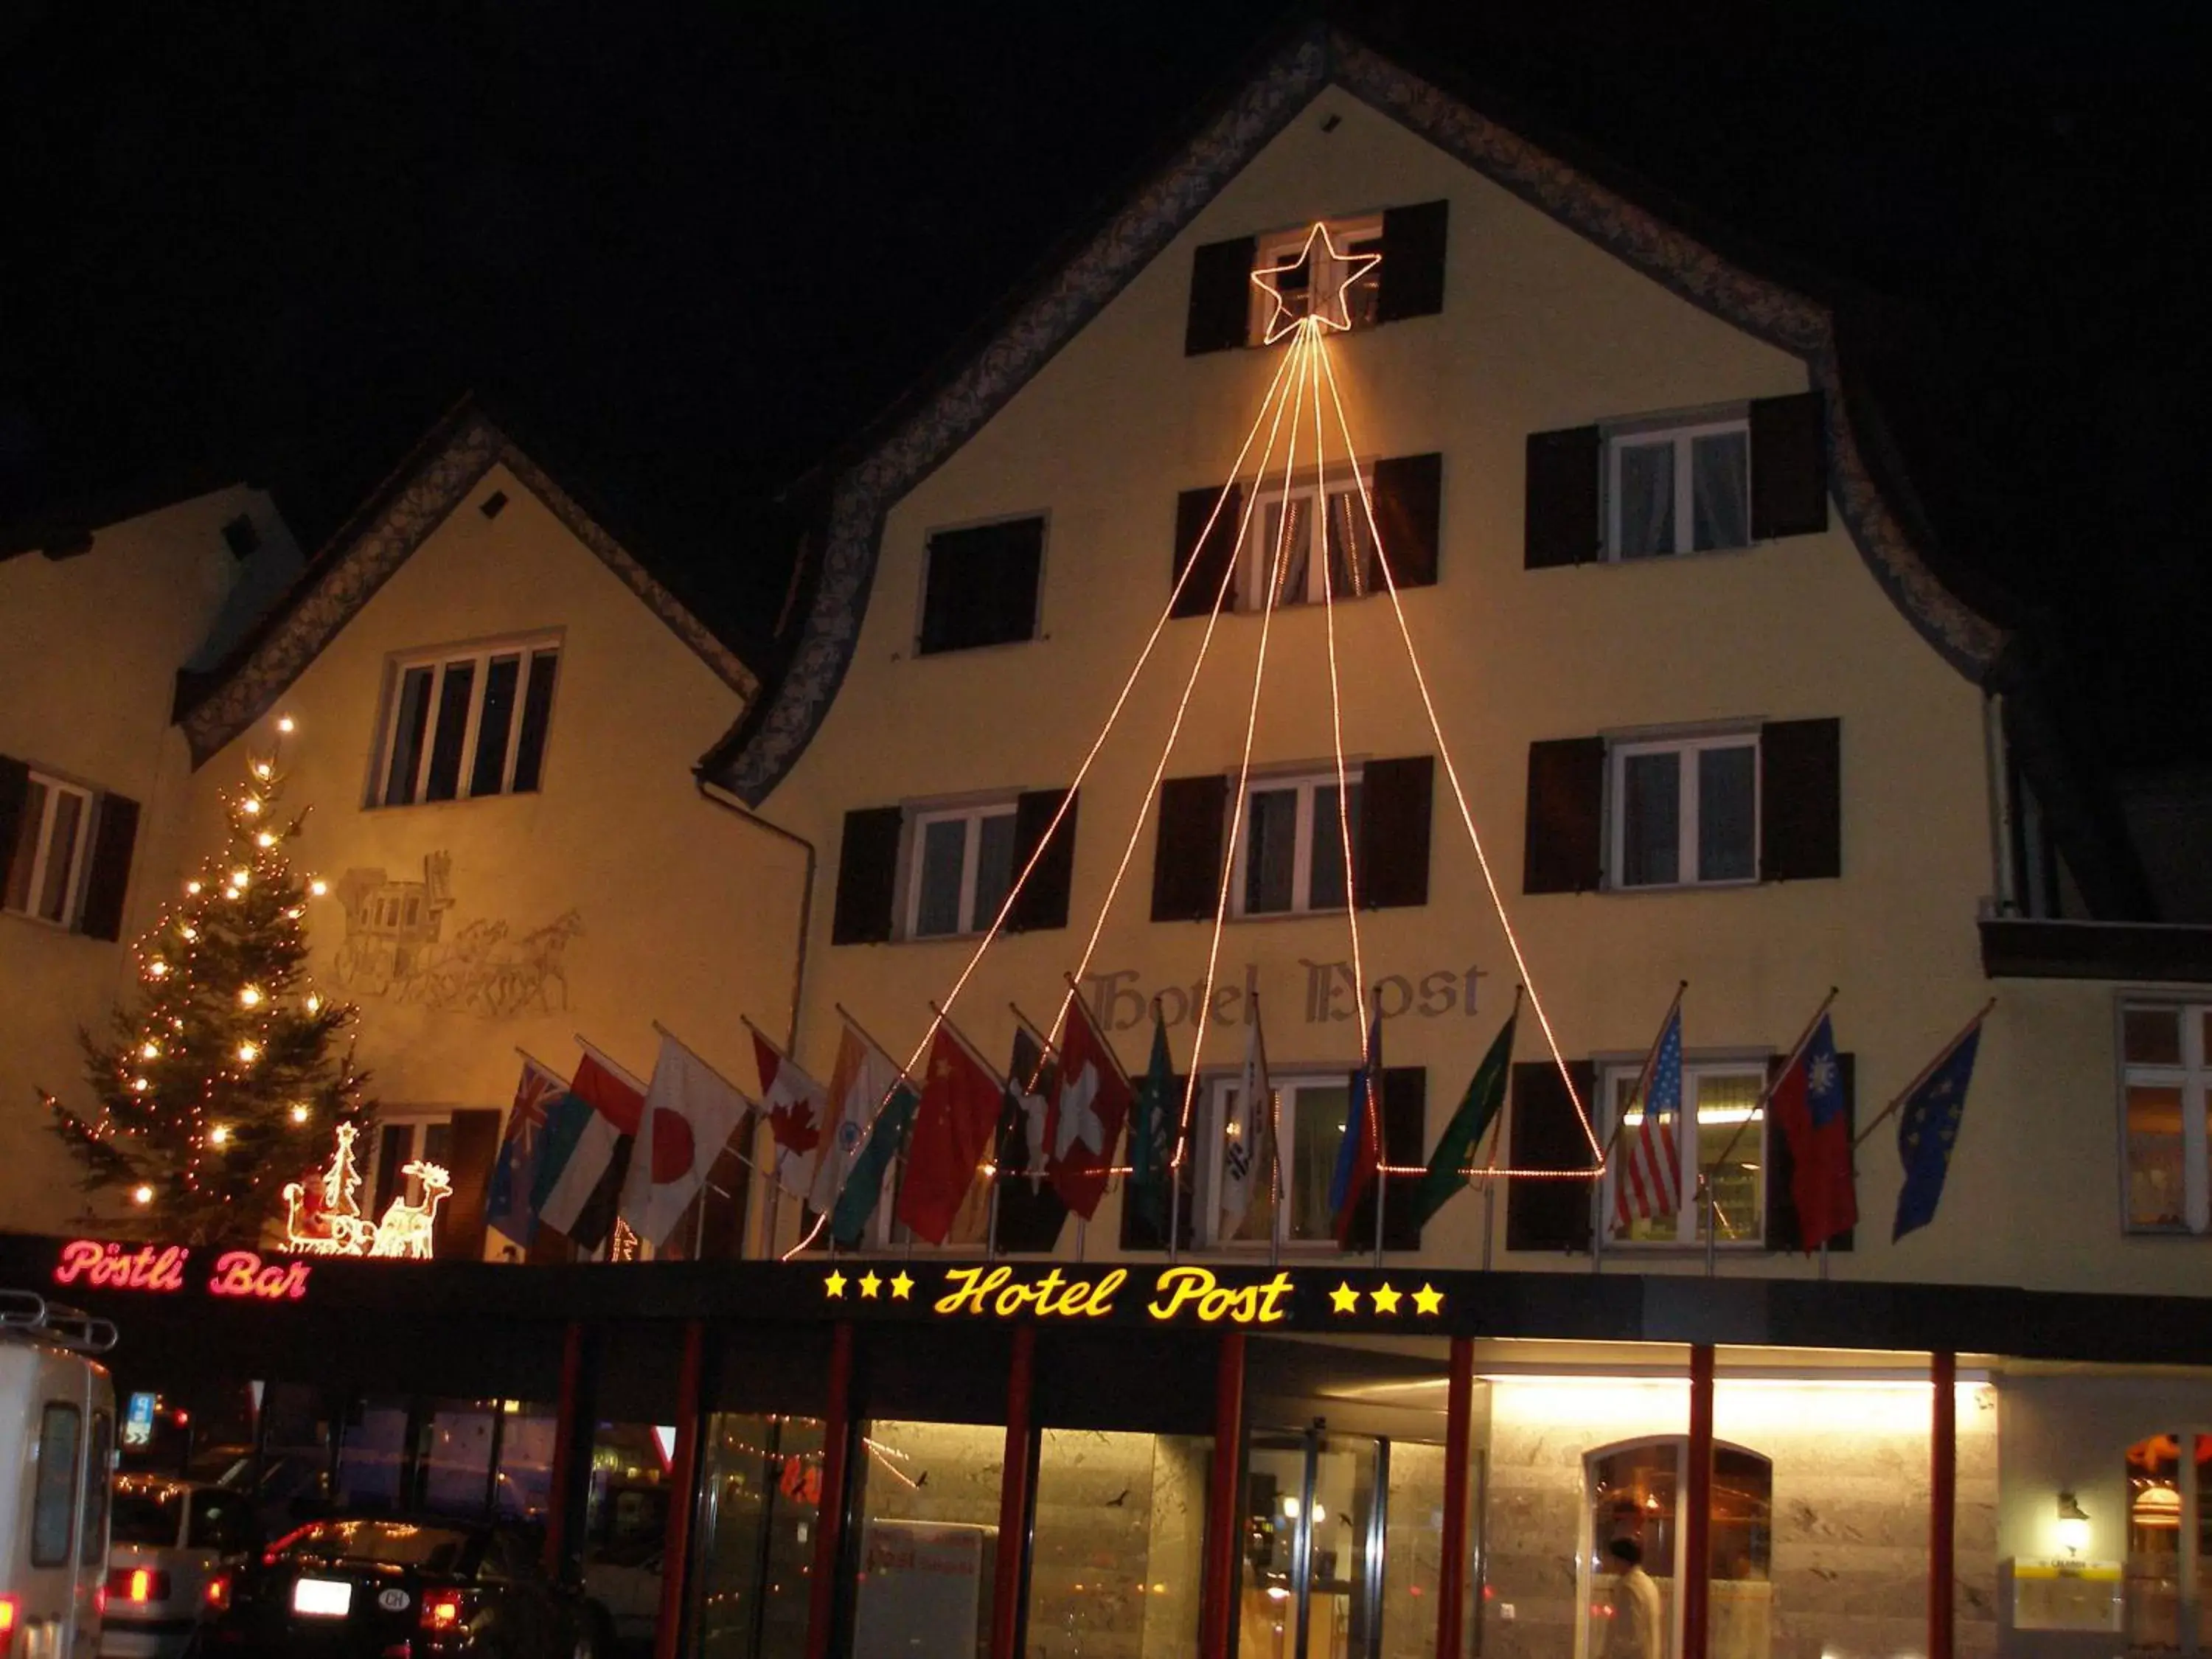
393, 948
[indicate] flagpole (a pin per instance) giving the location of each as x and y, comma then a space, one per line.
1641, 1093
1925, 1072
1766, 1095
662, 1030
608, 1060
1374, 1130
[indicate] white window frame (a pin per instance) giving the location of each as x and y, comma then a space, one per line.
1682, 435
1256, 557
1288, 1085
42, 850
1689, 1219
973, 814
2193, 1077
439, 662
1684, 747
1307, 784
418, 1124
1279, 245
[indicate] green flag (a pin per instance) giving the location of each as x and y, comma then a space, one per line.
1478, 1110
865, 1185
1149, 1152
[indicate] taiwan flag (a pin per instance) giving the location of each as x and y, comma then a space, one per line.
1089, 1108
1809, 1104
951, 1137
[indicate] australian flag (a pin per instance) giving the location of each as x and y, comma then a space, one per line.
507, 1207
1927, 1130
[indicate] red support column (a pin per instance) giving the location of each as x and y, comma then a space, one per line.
1697, 1506
1223, 1525
829, 1522
1459, 1447
1014, 1486
684, 1493
566, 1411
1943, 1505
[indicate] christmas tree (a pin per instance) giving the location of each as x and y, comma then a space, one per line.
227, 1072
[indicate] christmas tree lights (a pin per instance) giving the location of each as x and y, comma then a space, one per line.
225, 1068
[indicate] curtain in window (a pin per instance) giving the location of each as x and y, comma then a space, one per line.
1354, 572
1720, 490
1294, 541
1647, 500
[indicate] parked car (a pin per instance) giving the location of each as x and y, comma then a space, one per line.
174, 1551
57, 1448
375, 1585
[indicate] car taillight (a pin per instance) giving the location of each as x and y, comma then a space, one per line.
139, 1584
269, 1557
217, 1595
7, 1625
441, 1610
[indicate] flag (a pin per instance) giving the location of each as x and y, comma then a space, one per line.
1360, 1155
508, 1207
690, 1112
1648, 1182
860, 1081
1808, 1104
1927, 1130
951, 1136
798, 1112
864, 1182
1152, 1138
1477, 1110
1030, 1213
1248, 1149
588, 1133
1089, 1108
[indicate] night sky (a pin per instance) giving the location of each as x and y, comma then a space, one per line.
687, 248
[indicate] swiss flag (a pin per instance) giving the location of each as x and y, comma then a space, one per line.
796, 1110
1089, 1108
951, 1138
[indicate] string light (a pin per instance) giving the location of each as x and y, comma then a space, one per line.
249, 996
219, 1135
248, 1052
149, 1050
156, 969
239, 876
188, 933
300, 1113
193, 888
261, 769
141, 1195
285, 724
264, 841
251, 806
319, 887
315, 1004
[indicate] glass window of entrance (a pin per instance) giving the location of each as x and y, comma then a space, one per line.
1634, 1492
2168, 1519
1307, 1131
1654, 1197
962, 865
1290, 852
1685, 811
2163, 1102
1677, 489
465, 723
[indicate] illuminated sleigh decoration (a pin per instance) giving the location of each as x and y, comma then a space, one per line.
324, 1218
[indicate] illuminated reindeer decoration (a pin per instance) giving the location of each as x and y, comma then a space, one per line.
326, 1219
406, 1228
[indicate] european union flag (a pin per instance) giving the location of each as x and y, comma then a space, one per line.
1927, 1130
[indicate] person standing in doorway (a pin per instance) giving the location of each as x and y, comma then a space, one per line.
1635, 1633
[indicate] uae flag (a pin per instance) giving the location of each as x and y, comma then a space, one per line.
1089, 1108
951, 1137
690, 1112
588, 1135
797, 1111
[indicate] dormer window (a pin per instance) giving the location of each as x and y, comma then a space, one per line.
466, 723
1339, 269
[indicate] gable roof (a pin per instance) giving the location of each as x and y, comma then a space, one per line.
436, 477
1877, 503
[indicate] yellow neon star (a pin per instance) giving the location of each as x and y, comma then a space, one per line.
1350, 267
900, 1284
834, 1286
869, 1286
1386, 1299
1344, 1299
1428, 1300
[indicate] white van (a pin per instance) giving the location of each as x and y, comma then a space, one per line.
57, 1450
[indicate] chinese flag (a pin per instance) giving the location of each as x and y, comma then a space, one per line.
951, 1137
1089, 1108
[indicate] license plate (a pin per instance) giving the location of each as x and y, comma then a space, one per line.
322, 1598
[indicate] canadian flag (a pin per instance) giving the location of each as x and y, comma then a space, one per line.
1089, 1108
798, 1109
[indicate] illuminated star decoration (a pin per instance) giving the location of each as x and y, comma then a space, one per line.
900, 1285
869, 1286
1386, 1299
1350, 267
1343, 1300
834, 1286
1428, 1300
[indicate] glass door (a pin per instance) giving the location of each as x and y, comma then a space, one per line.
1313, 1546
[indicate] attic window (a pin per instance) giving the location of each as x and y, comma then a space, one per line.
466, 724
493, 504
241, 536
981, 585
1227, 310
1321, 270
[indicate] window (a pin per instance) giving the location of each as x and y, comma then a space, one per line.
1635, 1491
1309, 1114
1290, 855
1352, 571
92, 1544
1320, 270
961, 865
467, 724
2168, 1519
2164, 1073
981, 585
45, 867
53, 1488
1729, 1148
1677, 489
398, 1144
1685, 810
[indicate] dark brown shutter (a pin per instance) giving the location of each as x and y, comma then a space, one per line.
1138, 1233
14, 790
1187, 853
109, 880
1395, 797
1405, 1144
1789, 466
471, 1149
867, 876
1220, 296
1042, 901
1410, 281
1564, 852
1784, 1231
1561, 519
981, 585
1208, 565
1406, 494
1800, 800
1544, 1133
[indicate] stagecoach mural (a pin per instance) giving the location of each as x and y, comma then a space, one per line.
397, 946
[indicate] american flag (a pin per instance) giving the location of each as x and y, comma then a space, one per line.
1648, 1181
512, 1178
